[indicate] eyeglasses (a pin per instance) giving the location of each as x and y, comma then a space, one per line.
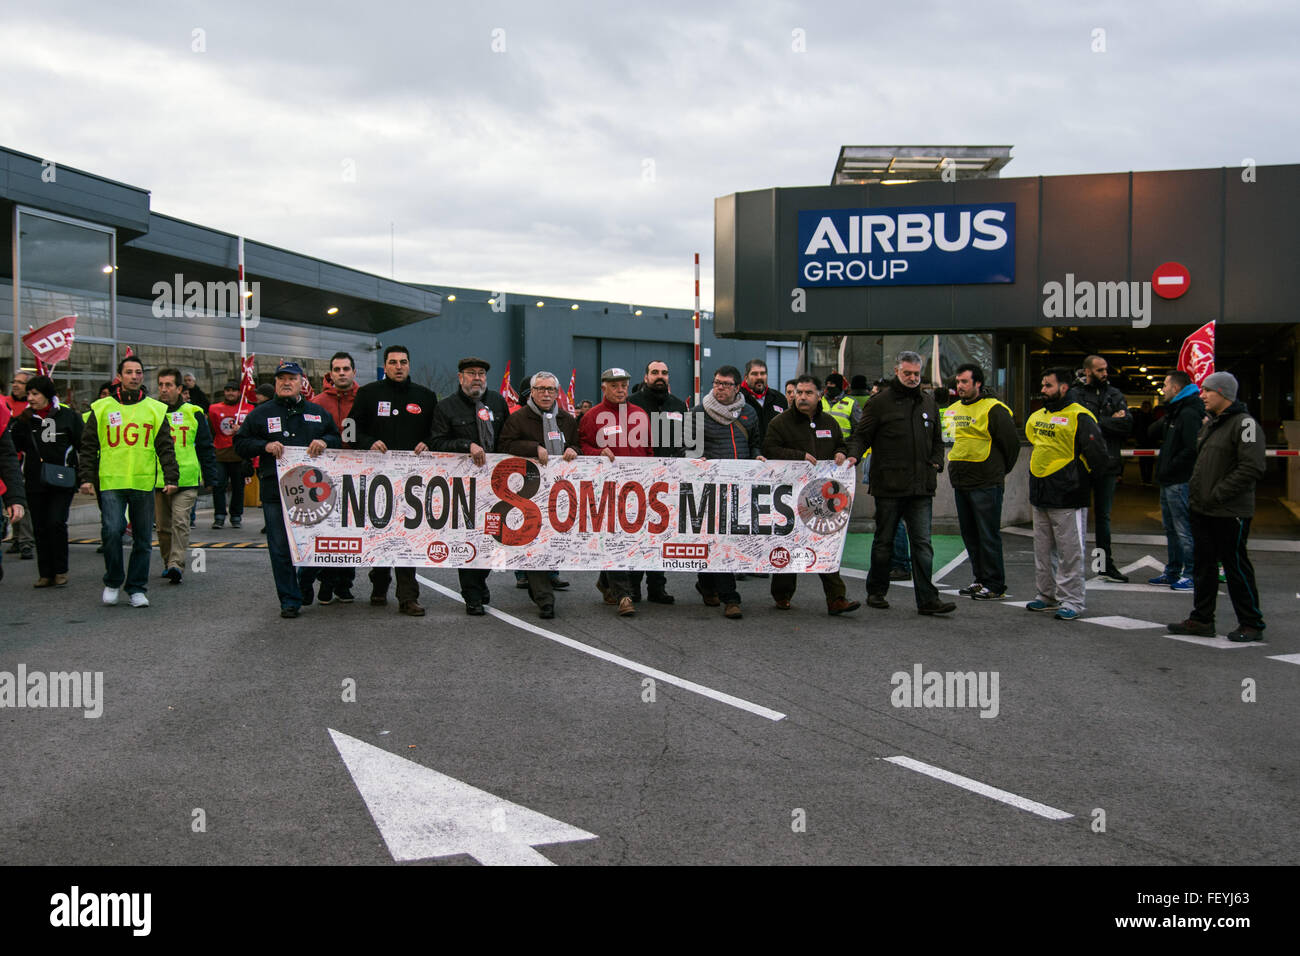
723, 384
545, 388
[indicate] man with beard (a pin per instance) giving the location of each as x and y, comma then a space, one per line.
392, 414
338, 397
754, 390
1110, 408
470, 422
543, 430
667, 423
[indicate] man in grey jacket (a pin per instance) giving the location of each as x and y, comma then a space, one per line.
1229, 463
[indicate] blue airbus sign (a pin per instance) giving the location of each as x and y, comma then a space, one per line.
908, 245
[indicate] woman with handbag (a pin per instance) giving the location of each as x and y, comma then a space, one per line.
48, 434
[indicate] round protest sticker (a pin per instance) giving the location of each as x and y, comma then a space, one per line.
309, 495
824, 505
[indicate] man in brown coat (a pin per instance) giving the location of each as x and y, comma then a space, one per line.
541, 429
807, 433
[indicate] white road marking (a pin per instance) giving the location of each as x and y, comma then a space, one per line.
1146, 561
983, 789
1015, 603
943, 571
1222, 643
1255, 544
1286, 658
631, 665
423, 814
934, 579
1121, 622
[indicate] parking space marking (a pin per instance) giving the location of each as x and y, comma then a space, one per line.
627, 663
983, 789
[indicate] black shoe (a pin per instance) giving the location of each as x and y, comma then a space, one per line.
970, 589
636, 596
378, 598
1112, 575
1193, 627
288, 612
938, 607
988, 594
307, 595
218, 523
28, 554
558, 585
173, 575
236, 522
877, 601
547, 613
475, 610
325, 597
263, 529
662, 597
1243, 634
344, 596
487, 595
898, 574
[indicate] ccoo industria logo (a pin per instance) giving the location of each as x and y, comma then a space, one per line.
908, 245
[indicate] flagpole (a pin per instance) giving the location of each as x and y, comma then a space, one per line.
243, 336
697, 328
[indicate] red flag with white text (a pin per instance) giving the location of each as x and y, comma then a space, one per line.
508, 392
1196, 357
52, 342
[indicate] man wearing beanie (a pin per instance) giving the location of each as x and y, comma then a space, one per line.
1229, 462
1176, 433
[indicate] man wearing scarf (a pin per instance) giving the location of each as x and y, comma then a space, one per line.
731, 430
470, 422
668, 420
126, 438
1176, 433
541, 430
768, 402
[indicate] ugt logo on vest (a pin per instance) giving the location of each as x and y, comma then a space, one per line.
309, 494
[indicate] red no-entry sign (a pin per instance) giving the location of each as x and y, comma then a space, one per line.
1170, 280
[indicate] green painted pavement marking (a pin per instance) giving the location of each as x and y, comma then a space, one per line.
857, 550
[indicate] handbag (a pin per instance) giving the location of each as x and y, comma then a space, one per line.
59, 476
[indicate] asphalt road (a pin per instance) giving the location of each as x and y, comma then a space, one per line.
762, 741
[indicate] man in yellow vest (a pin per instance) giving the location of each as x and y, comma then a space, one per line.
840, 406
126, 438
1068, 451
985, 447
197, 461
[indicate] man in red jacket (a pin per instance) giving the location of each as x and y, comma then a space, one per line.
616, 429
223, 418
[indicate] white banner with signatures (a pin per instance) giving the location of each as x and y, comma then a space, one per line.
363, 508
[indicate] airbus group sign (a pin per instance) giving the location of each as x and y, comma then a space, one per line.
908, 245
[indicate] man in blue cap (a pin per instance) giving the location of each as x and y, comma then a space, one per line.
285, 420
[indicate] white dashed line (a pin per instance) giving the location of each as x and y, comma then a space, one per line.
1121, 623
983, 789
631, 665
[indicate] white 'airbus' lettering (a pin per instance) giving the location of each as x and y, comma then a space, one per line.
910, 232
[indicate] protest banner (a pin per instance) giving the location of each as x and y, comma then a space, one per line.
363, 508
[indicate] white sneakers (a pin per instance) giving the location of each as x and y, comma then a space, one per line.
111, 594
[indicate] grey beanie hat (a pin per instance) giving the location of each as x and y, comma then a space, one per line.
1222, 382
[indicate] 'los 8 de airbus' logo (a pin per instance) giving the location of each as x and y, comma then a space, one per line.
824, 505
309, 495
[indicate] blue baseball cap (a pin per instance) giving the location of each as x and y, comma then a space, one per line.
289, 368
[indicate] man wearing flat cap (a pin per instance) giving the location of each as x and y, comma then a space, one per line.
288, 420
469, 421
616, 429
1221, 499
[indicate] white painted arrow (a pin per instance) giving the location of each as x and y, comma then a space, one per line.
422, 813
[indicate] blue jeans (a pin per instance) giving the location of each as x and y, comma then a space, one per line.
112, 522
1177, 519
914, 511
277, 543
979, 515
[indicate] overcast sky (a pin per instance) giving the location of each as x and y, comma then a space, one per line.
576, 149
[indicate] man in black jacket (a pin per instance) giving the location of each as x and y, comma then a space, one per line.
470, 422
901, 427
1109, 406
1176, 434
392, 414
285, 420
1229, 463
768, 401
668, 421
806, 433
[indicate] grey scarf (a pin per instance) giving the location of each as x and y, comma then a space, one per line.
550, 426
722, 414
483, 414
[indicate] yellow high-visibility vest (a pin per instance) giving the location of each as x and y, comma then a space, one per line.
842, 412
127, 459
1052, 435
184, 423
967, 427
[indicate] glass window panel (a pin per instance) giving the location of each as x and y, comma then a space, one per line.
62, 273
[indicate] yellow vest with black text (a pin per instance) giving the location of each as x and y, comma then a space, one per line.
967, 428
184, 424
842, 412
127, 459
1052, 435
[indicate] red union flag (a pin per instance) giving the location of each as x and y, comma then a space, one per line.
508, 392
247, 390
52, 343
1196, 357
